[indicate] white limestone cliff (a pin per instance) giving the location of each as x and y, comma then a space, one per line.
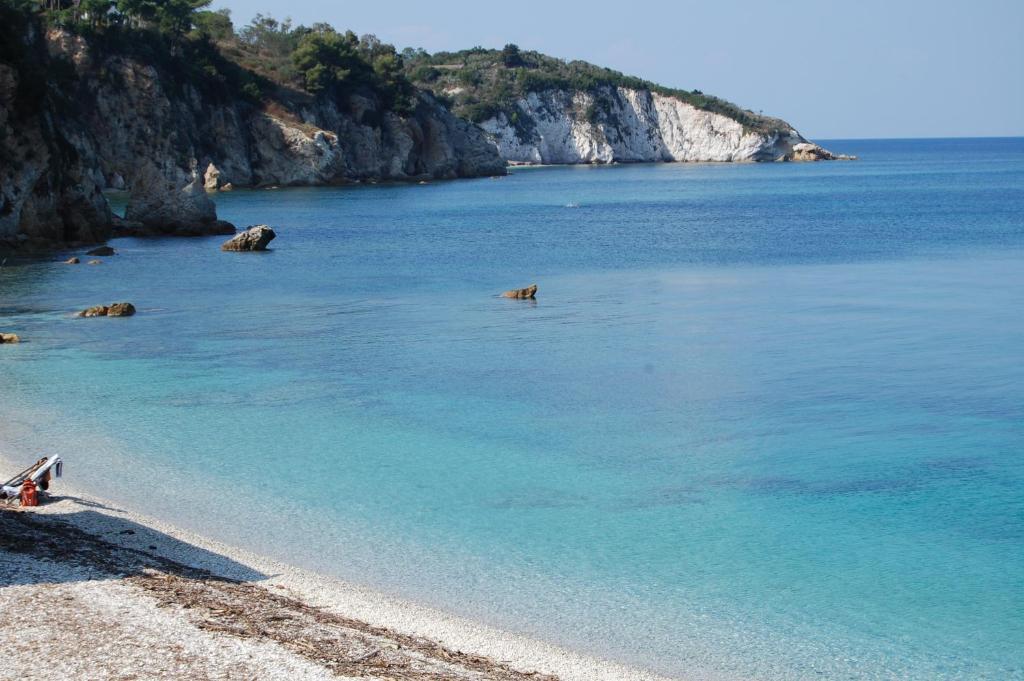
621, 125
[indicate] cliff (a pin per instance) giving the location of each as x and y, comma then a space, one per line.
538, 109
80, 116
168, 110
631, 126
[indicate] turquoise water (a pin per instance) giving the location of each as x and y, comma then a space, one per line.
763, 421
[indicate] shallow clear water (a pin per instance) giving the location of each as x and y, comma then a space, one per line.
764, 421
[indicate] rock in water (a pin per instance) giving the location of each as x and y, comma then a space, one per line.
211, 178
808, 151
530, 292
162, 206
9, 338
72, 261
112, 310
121, 310
255, 238
101, 251
95, 311
95, 262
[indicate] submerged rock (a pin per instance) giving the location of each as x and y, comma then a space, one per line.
9, 338
72, 261
530, 292
112, 310
95, 262
101, 251
255, 238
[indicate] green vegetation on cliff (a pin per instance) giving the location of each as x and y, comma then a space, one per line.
265, 60
273, 60
480, 83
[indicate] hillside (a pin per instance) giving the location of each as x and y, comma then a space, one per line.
538, 109
479, 84
165, 106
165, 99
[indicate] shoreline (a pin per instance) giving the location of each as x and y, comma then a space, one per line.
138, 556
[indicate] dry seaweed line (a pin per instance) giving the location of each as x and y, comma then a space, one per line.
343, 645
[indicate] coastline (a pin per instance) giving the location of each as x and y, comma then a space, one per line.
206, 593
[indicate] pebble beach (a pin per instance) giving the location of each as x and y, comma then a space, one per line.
91, 590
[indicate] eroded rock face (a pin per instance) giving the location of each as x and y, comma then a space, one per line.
211, 178
528, 293
623, 125
130, 117
162, 206
47, 192
255, 238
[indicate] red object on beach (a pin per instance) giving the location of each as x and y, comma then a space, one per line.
29, 497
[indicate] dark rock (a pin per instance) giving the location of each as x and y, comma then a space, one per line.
121, 310
255, 238
101, 251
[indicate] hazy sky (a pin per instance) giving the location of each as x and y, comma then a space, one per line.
850, 68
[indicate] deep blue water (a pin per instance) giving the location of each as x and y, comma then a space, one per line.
763, 421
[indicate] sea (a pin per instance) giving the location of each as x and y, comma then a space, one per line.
762, 421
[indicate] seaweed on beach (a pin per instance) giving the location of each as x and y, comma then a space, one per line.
343, 645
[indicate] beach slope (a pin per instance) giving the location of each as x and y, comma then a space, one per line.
88, 590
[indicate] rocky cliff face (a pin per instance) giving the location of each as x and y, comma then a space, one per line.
617, 124
48, 192
110, 116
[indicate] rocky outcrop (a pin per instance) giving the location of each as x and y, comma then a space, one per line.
121, 310
622, 125
112, 310
118, 121
48, 193
808, 151
326, 143
255, 238
157, 205
528, 293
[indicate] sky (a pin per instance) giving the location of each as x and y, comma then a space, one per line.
832, 69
